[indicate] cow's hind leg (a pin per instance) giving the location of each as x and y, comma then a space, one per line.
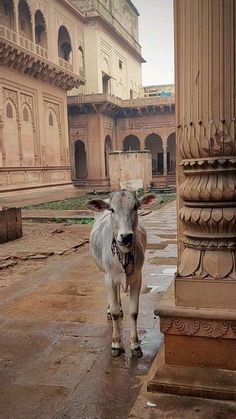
134, 306
116, 348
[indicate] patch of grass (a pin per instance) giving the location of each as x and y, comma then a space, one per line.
78, 203
66, 204
80, 221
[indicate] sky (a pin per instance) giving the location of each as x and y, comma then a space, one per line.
156, 36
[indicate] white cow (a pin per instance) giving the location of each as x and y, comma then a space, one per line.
117, 244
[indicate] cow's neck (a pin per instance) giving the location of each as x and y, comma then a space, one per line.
125, 259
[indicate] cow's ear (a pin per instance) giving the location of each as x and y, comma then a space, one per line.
149, 199
97, 205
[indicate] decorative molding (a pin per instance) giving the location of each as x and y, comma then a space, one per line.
22, 60
198, 327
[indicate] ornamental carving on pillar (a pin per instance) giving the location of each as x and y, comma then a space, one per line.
198, 327
209, 194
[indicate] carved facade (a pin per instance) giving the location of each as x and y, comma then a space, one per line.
34, 78
100, 124
112, 51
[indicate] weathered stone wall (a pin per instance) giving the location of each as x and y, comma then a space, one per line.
130, 165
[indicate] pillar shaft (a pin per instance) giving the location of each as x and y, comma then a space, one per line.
199, 315
205, 41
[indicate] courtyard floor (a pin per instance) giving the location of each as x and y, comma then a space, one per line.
55, 339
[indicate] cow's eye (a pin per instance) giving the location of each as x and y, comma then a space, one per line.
112, 210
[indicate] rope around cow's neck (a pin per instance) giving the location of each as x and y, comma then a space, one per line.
125, 259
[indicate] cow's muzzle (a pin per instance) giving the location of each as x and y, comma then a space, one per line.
126, 239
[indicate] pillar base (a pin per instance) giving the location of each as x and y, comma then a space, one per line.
208, 293
211, 383
199, 351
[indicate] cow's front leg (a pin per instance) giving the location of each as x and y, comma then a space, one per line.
109, 316
134, 306
116, 348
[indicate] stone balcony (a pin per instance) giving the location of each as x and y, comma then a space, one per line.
23, 55
110, 104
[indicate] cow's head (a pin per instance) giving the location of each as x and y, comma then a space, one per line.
123, 206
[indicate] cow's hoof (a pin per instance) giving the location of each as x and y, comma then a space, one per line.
137, 352
117, 352
109, 317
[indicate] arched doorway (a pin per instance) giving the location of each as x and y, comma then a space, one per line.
171, 153
64, 44
80, 160
40, 29
153, 142
24, 18
107, 150
7, 14
131, 142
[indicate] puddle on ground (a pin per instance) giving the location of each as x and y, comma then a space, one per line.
163, 261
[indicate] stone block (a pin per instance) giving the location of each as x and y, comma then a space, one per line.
10, 224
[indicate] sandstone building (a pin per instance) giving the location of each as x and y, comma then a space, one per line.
113, 111
90, 51
41, 57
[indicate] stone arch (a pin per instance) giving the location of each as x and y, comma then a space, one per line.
64, 44
107, 150
131, 142
40, 29
24, 19
81, 58
153, 142
10, 132
106, 79
80, 160
9, 110
27, 135
52, 138
171, 153
7, 15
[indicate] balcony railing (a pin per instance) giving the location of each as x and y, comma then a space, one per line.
82, 72
41, 51
65, 64
7, 33
26, 43
34, 48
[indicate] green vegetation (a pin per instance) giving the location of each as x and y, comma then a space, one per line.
79, 202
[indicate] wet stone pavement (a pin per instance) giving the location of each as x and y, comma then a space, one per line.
55, 359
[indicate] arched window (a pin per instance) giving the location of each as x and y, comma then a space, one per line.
50, 120
64, 44
9, 111
25, 27
131, 142
25, 114
40, 29
7, 13
81, 58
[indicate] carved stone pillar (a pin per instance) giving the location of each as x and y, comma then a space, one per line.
200, 316
206, 129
